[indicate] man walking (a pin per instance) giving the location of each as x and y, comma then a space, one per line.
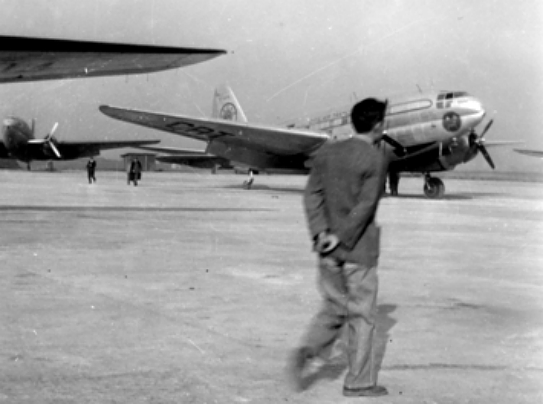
91, 168
341, 198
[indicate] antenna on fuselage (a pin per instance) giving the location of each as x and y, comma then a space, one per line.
420, 89
32, 126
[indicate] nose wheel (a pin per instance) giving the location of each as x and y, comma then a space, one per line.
433, 187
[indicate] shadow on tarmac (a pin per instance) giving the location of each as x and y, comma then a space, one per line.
124, 209
446, 197
449, 197
260, 187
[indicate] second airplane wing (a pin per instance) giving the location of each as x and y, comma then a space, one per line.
271, 140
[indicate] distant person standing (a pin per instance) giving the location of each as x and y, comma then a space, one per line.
393, 182
91, 169
134, 171
139, 169
345, 185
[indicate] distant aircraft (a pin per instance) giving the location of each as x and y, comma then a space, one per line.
18, 142
25, 59
190, 157
425, 133
528, 152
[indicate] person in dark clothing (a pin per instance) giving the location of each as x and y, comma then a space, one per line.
393, 182
139, 169
91, 169
134, 171
345, 185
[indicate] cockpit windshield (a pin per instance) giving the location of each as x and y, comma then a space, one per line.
444, 99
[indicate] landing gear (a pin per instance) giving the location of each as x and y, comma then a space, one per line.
247, 184
433, 187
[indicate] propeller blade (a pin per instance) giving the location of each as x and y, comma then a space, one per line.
54, 148
50, 135
485, 154
487, 127
398, 148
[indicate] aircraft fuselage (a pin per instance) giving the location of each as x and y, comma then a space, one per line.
435, 121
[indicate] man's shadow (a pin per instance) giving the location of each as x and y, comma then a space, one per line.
339, 362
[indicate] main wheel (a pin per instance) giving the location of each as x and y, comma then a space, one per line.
434, 188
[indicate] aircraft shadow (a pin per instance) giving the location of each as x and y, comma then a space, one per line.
260, 187
446, 197
26, 208
449, 197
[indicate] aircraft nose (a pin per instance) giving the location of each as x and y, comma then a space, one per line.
476, 105
8, 122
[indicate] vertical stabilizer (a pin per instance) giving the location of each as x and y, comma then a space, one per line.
226, 105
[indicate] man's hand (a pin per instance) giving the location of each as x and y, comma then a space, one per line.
325, 243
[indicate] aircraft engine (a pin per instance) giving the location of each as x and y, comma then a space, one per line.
457, 152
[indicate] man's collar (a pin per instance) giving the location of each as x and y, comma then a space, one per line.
365, 138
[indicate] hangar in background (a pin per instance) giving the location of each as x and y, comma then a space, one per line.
147, 160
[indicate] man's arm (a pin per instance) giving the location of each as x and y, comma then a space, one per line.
363, 212
314, 203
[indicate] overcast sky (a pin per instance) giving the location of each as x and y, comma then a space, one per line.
292, 58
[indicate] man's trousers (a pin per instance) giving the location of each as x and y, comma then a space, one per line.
349, 294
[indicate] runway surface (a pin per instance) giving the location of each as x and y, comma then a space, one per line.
189, 289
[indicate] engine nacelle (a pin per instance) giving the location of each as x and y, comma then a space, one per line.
456, 152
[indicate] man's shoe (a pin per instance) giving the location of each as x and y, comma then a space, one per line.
304, 368
372, 391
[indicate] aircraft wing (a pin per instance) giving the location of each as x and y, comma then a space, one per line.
272, 140
77, 149
106, 144
176, 151
533, 153
29, 59
502, 142
176, 155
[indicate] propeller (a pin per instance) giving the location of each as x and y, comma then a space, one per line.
48, 139
479, 142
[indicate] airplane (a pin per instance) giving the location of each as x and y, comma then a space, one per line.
425, 133
529, 152
190, 157
24, 59
18, 142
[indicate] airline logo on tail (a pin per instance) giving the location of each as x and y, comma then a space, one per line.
226, 106
229, 112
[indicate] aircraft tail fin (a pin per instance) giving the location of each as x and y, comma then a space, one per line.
226, 105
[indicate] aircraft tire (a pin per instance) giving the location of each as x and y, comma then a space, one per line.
434, 188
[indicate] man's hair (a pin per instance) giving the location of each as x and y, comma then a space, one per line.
366, 113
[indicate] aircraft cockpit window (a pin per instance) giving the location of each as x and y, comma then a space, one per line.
449, 96
460, 94
440, 97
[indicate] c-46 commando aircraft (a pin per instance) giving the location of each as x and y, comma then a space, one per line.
18, 142
425, 133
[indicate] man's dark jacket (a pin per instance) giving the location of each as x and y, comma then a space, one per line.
342, 193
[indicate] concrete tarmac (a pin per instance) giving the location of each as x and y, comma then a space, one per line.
190, 289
